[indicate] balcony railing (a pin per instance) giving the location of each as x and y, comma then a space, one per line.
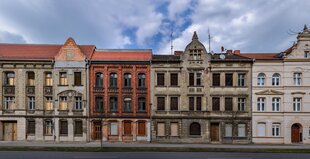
9, 90
113, 90
141, 90
98, 89
127, 90
30, 89
48, 90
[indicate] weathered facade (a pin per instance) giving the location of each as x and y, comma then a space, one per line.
120, 95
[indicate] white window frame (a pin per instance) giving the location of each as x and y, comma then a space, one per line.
297, 103
276, 130
276, 79
261, 79
241, 104
276, 104
261, 104
297, 78
31, 103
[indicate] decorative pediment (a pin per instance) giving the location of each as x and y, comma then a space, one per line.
298, 92
70, 51
269, 92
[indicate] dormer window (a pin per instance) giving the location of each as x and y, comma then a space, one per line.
195, 54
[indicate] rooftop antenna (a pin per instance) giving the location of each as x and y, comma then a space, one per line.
209, 38
171, 41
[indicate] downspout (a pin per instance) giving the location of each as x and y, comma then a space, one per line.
151, 110
87, 102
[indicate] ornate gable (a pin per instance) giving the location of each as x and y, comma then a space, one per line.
269, 92
300, 50
70, 51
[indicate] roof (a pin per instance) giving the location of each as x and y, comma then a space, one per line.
262, 56
229, 56
122, 55
35, 51
166, 58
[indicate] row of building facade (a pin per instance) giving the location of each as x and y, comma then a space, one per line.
76, 92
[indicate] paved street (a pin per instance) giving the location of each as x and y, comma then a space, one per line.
146, 155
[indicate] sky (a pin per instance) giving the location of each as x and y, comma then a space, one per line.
247, 25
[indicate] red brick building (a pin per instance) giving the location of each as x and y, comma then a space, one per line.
120, 95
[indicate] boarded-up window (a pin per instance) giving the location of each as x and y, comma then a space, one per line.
228, 130
216, 103
228, 104
63, 127
191, 103
77, 78
174, 102
127, 127
198, 103
174, 129
78, 127
173, 79
160, 79
191, 79
113, 128
160, 103
241, 130
141, 128
31, 127
228, 79
216, 79
261, 129
160, 129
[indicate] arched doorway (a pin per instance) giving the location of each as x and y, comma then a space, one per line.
195, 129
296, 133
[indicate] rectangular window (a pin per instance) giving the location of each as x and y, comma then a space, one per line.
77, 78
113, 80
78, 127
63, 103
78, 103
261, 129
241, 130
228, 79
141, 128
31, 127
297, 79
160, 79
275, 104
216, 79
174, 79
63, 80
160, 103
241, 104
48, 127
9, 103
261, 104
306, 54
113, 104
276, 130
99, 104
297, 104
191, 79
63, 127
113, 128
191, 103
48, 79
30, 80
241, 79
127, 128
174, 103
228, 130
198, 103
127, 104
127, 80
141, 80
228, 104
48, 103
160, 129
198, 79
10, 78
31, 103
215, 103
141, 104
174, 129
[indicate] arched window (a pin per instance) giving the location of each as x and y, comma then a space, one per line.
99, 79
9, 78
195, 129
141, 80
30, 78
127, 80
261, 79
113, 80
276, 79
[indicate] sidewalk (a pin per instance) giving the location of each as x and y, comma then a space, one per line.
148, 145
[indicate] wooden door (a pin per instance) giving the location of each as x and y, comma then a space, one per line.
214, 132
127, 128
10, 131
97, 131
295, 133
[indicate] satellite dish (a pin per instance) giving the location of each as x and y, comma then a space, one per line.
222, 56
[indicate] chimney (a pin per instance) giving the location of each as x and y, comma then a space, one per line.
237, 52
229, 51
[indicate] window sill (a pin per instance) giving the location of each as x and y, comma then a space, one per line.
63, 135
63, 85
77, 110
195, 136
77, 85
78, 135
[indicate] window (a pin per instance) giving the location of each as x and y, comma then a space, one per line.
48, 127
99, 104
78, 127
160, 129
275, 104
195, 77
191, 103
160, 103
195, 129
77, 78
30, 79
9, 79
48, 79
174, 79
31, 103
127, 127
216, 79
260, 104
241, 79
297, 79
261, 79
127, 104
241, 130
174, 129
228, 104
127, 80
276, 79
63, 80
141, 128
306, 54
63, 103
241, 104
261, 129
113, 104
99, 79
63, 130
160, 79
228, 79
78, 103
141, 80
228, 130
198, 103
48, 103
174, 103
113, 128
141, 104
215, 103
276, 130
198, 79
297, 104
9, 103
31, 127
191, 79
113, 80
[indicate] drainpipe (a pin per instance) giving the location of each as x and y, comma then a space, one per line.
87, 102
150, 103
